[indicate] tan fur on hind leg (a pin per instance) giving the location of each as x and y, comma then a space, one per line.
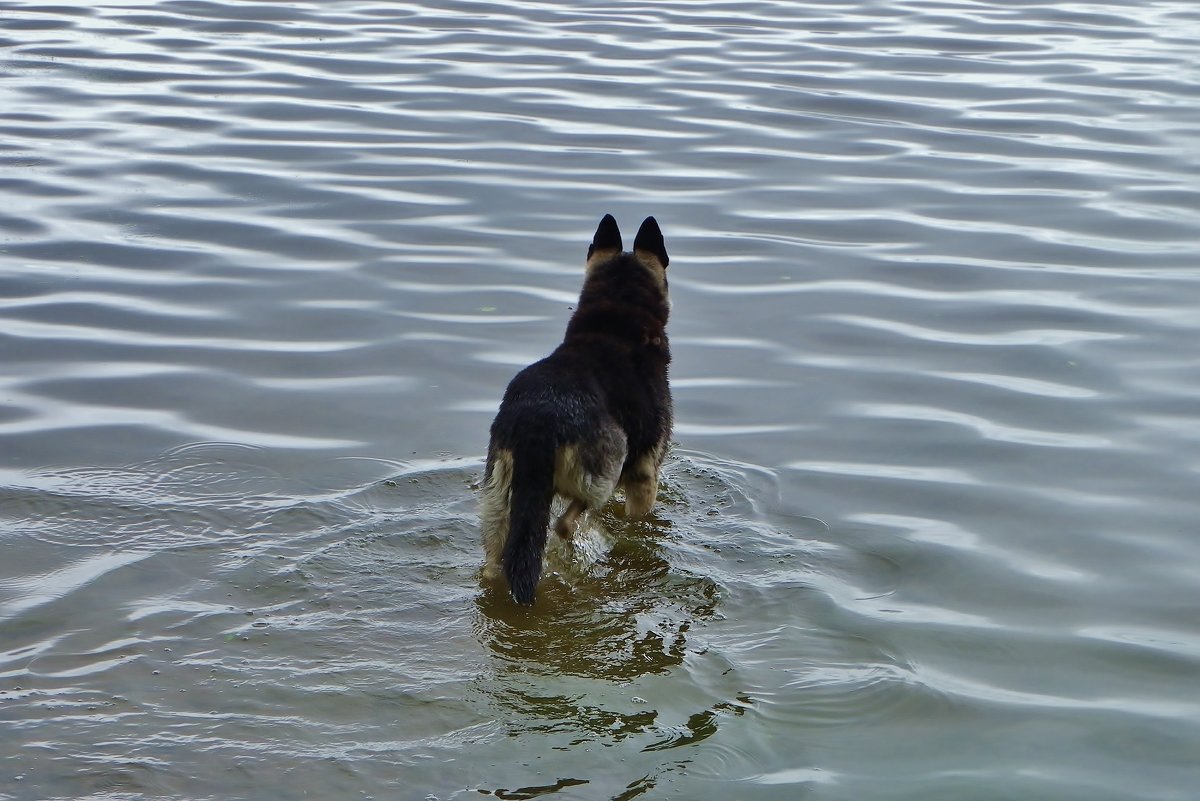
494, 512
640, 496
587, 488
566, 525
641, 486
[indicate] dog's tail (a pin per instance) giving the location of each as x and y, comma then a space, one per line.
529, 516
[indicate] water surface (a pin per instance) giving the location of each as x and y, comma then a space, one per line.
928, 530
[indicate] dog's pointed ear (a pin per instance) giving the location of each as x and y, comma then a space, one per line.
649, 242
606, 243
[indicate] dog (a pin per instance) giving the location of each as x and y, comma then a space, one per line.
593, 416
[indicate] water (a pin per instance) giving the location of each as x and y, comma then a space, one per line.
929, 529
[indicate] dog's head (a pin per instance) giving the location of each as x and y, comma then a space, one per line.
649, 250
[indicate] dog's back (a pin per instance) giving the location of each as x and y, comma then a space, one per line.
593, 415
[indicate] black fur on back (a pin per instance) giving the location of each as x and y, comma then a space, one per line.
613, 360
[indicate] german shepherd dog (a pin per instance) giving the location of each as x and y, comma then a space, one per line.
592, 416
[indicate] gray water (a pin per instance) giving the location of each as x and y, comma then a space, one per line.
929, 528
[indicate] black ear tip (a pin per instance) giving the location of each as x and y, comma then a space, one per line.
608, 236
649, 229
650, 238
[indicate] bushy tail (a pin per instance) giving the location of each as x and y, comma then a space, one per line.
529, 517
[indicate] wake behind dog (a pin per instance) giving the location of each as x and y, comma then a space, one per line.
592, 416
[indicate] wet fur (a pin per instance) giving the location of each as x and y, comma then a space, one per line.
592, 416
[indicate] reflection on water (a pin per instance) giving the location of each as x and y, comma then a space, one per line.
586, 665
614, 608
626, 618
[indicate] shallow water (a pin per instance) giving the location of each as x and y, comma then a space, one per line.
929, 528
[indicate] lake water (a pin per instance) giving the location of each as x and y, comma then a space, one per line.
930, 526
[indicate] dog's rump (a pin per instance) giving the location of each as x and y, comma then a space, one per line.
520, 484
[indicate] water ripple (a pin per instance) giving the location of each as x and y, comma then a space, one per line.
268, 267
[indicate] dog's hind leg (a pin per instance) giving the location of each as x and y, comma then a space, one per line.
587, 474
641, 483
565, 526
494, 510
